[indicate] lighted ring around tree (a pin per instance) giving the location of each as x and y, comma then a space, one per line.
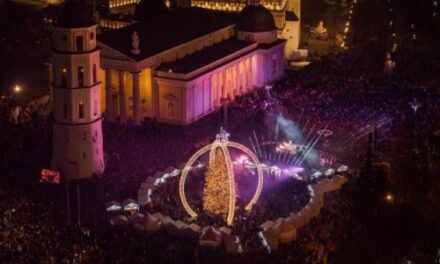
223, 143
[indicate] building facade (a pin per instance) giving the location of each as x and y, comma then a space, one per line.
76, 87
286, 13
182, 65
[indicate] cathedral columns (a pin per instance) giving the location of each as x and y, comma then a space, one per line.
155, 97
251, 76
109, 115
122, 99
136, 99
251, 79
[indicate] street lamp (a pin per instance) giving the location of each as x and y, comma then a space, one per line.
389, 197
17, 88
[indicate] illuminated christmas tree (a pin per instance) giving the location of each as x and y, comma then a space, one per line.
216, 189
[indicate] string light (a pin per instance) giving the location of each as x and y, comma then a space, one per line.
216, 189
237, 6
348, 23
217, 165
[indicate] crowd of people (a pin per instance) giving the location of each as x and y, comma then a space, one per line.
31, 233
340, 93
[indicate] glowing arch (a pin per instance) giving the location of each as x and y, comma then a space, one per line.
223, 143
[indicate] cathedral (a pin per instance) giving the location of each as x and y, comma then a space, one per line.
170, 66
178, 66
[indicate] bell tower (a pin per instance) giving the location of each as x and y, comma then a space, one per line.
77, 140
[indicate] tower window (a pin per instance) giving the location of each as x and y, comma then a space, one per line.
95, 74
81, 110
95, 107
79, 43
64, 77
80, 76
65, 111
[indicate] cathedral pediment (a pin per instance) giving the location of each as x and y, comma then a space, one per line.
109, 53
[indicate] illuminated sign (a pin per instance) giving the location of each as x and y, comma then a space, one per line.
50, 176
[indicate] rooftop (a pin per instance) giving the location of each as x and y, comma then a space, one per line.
205, 56
163, 33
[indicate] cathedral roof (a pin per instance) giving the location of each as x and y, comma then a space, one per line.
206, 56
255, 18
166, 32
75, 14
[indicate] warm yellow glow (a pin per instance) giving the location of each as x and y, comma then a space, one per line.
389, 197
238, 6
224, 145
17, 88
219, 191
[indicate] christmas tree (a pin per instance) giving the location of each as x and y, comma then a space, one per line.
216, 189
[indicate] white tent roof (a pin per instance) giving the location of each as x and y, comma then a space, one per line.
113, 206
128, 202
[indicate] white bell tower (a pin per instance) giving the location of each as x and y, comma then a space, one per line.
77, 123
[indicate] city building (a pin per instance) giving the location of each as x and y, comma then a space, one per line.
76, 87
179, 66
287, 15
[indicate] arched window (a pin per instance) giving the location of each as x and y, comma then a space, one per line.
81, 110
95, 107
64, 77
95, 74
79, 43
80, 76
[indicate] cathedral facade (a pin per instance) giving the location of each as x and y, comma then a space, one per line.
179, 66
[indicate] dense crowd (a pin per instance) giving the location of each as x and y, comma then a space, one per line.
340, 93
